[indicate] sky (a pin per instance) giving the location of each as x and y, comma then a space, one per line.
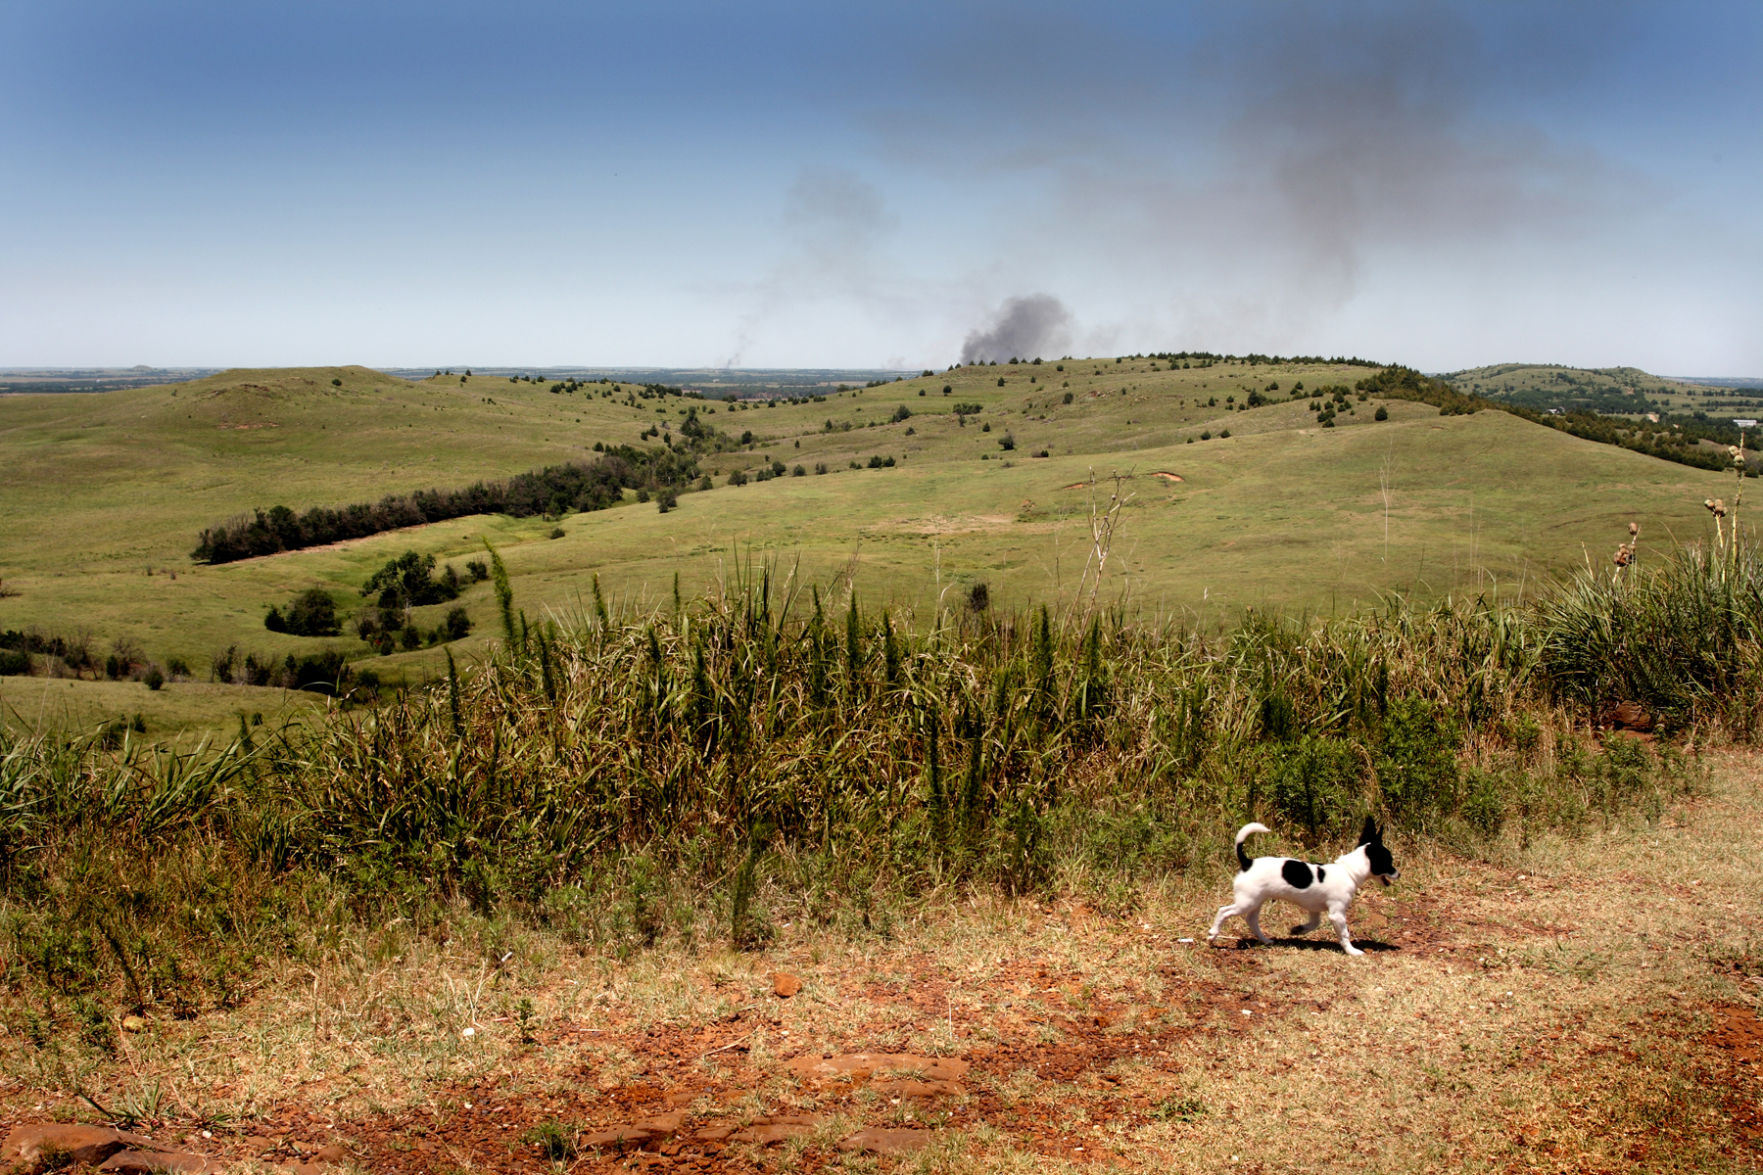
900, 184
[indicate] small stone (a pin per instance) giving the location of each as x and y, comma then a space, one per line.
330, 1153
784, 985
135, 1024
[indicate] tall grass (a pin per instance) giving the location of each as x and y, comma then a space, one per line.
710, 768
1681, 639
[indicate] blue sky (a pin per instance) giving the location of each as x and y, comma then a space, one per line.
763, 184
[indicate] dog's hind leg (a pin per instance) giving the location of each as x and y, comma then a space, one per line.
1339, 918
1253, 918
1312, 923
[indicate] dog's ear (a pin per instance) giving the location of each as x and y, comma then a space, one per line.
1369, 835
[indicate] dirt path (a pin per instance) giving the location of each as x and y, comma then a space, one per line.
1578, 1006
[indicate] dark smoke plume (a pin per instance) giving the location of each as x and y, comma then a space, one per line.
1026, 328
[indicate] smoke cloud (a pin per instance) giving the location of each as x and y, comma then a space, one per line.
1031, 327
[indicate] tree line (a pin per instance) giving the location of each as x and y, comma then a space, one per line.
572, 488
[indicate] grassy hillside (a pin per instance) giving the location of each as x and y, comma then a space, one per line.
1613, 390
106, 494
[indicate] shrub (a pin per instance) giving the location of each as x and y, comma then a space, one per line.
155, 678
1316, 785
1007, 442
1382, 413
1417, 762
457, 624
312, 613
14, 663
737, 478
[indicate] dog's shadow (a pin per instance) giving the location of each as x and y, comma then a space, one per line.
1370, 946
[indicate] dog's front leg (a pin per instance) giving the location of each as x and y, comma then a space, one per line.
1224, 912
1339, 918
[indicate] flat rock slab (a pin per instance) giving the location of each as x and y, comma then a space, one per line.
880, 1141
911, 1087
90, 1145
869, 1064
631, 1137
145, 1162
638, 1135
776, 1129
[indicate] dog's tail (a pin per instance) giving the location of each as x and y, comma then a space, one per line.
1243, 834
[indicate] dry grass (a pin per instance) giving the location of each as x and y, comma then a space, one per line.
1553, 1008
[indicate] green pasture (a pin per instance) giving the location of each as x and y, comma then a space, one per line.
104, 496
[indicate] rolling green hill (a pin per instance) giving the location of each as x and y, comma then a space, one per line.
105, 495
1610, 390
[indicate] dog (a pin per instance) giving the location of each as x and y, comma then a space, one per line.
1315, 888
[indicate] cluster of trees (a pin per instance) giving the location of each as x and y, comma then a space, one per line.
389, 630
17, 648
555, 490
1329, 401
24, 653
325, 672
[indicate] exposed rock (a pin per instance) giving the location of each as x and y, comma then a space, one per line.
910, 1087
776, 1129
619, 1138
881, 1141
1631, 716
145, 1162
330, 1153
784, 985
84, 1144
868, 1064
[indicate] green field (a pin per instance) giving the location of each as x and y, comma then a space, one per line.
105, 495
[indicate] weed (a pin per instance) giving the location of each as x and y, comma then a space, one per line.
557, 1141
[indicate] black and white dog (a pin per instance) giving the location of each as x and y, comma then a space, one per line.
1313, 887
